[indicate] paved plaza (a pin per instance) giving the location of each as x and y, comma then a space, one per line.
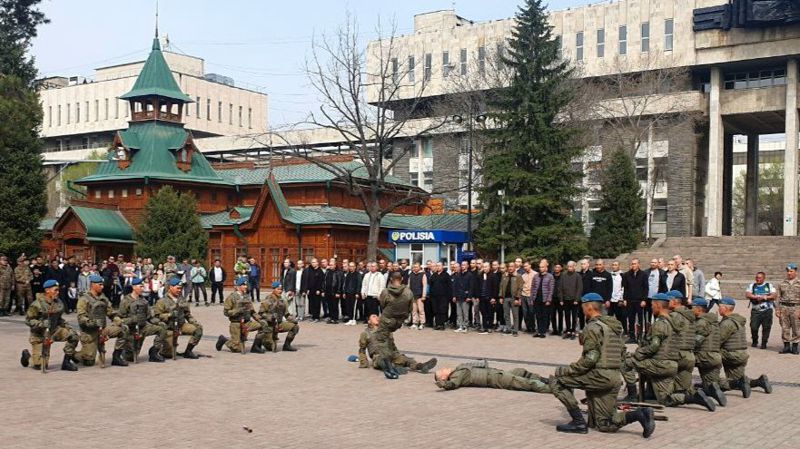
315, 398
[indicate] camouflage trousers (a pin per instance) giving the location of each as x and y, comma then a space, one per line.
601, 387
63, 333
149, 329
709, 364
661, 375
89, 342
235, 343
790, 324
397, 359
5, 298
193, 329
290, 328
734, 363
24, 296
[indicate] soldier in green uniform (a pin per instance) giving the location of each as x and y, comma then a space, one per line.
598, 373
396, 302
733, 346
6, 285
135, 313
656, 359
173, 310
707, 356
369, 346
239, 308
479, 374
43, 314
23, 277
273, 312
93, 309
170, 268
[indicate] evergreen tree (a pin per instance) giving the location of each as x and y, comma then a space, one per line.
22, 183
171, 227
530, 158
619, 223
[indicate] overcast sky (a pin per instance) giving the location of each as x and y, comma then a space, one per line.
261, 44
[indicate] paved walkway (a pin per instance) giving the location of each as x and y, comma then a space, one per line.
315, 398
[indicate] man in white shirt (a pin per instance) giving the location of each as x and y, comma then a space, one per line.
301, 292
619, 307
217, 275
374, 282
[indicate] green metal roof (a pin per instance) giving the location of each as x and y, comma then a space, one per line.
300, 173
224, 218
338, 215
47, 224
156, 79
153, 146
104, 225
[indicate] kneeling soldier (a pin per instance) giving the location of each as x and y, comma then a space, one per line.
94, 309
175, 313
273, 312
479, 374
598, 373
733, 346
44, 319
707, 357
135, 313
239, 310
385, 356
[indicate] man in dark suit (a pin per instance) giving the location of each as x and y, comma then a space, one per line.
635, 294
441, 292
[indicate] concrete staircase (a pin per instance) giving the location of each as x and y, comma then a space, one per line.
738, 258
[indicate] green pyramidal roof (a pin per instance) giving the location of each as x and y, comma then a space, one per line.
156, 79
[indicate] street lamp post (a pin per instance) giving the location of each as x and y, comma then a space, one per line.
471, 118
502, 195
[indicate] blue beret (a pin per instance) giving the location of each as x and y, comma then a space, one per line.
241, 281
50, 283
791, 266
660, 297
174, 282
591, 297
276, 284
728, 301
95, 279
352, 358
136, 281
699, 301
675, 294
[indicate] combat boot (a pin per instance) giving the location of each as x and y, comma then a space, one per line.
785, 349
257, 348
188, 354
632, 395
221, 342
714, 391
287, 344
577, 425
154, 356
388, 369
700, 398
25, 358
67, 364
426, 367
743, 385
795, 349
762, 382
117, 358
646, 417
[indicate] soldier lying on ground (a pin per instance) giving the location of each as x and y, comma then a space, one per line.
385, 356
479, 374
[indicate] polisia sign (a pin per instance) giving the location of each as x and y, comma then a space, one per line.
427, 236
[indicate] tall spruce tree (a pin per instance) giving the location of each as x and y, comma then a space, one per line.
22, 182
530, 159
619, 223
171, 227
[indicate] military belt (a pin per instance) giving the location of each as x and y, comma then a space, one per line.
789, 304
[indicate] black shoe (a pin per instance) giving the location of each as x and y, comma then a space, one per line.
646, 417
754, 344
714, 391
785, 349
743, 384
287, 346
577, 425
67, 364
762, 382
25, 358
221, 342
763, 345
154, 356
795, 349
257, 348
118, 358
188, 354
425, 368
632, 395
700, 398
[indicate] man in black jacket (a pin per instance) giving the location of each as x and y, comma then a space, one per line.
634, 292
350, 290
674, 280
316, 286
333, 280
599, 281
70, 274
441, 292
488, 289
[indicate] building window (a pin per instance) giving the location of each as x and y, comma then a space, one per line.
623, 40
463, 61
446, 63
560, 47
49, 116
230, 113
427, 181
219, 112
411, 69
645, 37
427, 148
426, 74
138, 191
659, 210
276, 263
395, 71
124, 193
106, 109
240, 117
417, 253
601, 43
187, 108
594, 207
307, 254
208, 109
757, 78
126, 108
58, 118
97, 193
669, 25
198, 107
116, 109
579, 46
96, 110
111, 193
216, 254
87, 112
641, 169
481, 60
250, 118
414, 178
77, 112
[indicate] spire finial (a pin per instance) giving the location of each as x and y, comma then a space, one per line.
156, 19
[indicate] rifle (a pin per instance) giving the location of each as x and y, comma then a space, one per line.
243, 319
138, 311
99, 313
52, 323
178, 318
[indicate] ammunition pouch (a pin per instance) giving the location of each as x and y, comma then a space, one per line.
99, 313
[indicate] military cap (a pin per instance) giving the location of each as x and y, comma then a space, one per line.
136, 281
241, 281
591, 297
791, 266
174, 282
352, 358
276, 284
728, 301
95, 279
699, 301
50, 283
660, 297
675, 294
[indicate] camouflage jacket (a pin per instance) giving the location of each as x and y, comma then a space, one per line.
273, 309
23, 274
86, 303
38, 314
6, 277
164, 307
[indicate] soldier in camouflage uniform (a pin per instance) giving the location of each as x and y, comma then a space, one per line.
173, 310
135, 313
479, 374
170, 268
369, 346
598, 373
733, 346
6, 285
789, 310
90, 304
273, 312
656, 359
23, 277
238, 307
396, 302
707, 356
45, 313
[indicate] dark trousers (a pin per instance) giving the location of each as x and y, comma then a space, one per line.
486, 312
440, 307
557, 317
255, 289
216, 287
499, 316
153, 298
314, 303
360, 310
333, 305
570, 315
325, 307
197, 289
453, 313
527, 315
579, 313
429, 312
620, 312
638, 319
371, 307
348, 304
763, 320
541, 311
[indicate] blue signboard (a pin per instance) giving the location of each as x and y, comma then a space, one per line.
427, 236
